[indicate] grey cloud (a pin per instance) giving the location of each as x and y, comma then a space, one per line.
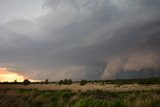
134, 64
83, 39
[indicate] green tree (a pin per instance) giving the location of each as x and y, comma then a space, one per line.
70, 82
65, 82
83, 82
46, 81
60, 82
15, 82
26, 82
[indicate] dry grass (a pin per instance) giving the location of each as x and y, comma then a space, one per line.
90, 95
76, 87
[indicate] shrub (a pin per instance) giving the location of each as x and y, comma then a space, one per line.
42, 82
83, 82
69, 82
46, 81
65, 82
60, 82
26, 82
15, 82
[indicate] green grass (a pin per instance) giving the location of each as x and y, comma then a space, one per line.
67, 98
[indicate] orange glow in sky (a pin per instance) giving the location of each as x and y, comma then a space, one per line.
6, 75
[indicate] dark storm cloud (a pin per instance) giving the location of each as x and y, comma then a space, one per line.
84, 40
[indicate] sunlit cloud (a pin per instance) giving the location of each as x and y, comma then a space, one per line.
6, 75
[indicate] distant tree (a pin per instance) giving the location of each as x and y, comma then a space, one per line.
26, 82
60, 82
41, 82
83, 82
15, 81
65, 82
46, 81
5, 82
70, 82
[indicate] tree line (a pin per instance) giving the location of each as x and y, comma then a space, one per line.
155, 80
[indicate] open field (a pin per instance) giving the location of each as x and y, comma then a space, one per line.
76, 87
90, 95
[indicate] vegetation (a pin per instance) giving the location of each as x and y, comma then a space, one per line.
155, 80
46, 81
15, 82
67, 98
83, 82
26, 82
65, 82
16, 95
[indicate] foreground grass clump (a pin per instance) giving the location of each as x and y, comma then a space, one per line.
67, 98
35, 98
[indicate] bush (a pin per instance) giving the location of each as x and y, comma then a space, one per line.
60, 82
15, 82
42, 82
26, 82
46, 81
69, 82
83, 82
65, 82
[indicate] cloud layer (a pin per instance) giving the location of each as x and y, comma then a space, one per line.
84, 39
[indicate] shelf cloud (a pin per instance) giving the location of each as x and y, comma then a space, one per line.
84, 39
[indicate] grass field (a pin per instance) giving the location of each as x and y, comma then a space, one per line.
90, 95
76, 87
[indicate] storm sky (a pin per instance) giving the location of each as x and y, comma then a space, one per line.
80, 39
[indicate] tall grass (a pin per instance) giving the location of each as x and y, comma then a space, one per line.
67, 98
